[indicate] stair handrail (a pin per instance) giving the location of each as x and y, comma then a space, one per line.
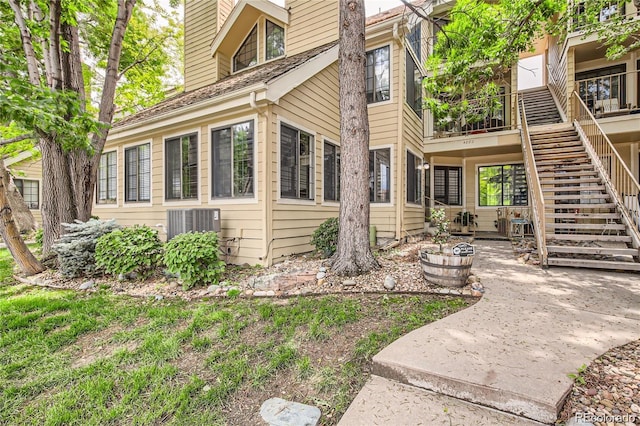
622, 186
537, 198
556, 72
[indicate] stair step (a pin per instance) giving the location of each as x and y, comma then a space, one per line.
564, 162
611, 251
565, 167
603, 227
557, 173
578, 197
558, 189
581, 206
543, 156
577, 181
597, 264
587, 216
589, 237
554, 137
575, 149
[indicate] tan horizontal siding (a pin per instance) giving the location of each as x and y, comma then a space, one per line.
306, 29
32, 170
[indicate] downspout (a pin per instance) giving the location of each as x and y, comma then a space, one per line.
400, 151
263, 119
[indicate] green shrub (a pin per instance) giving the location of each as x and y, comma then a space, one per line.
195, 257
76, 247
136, 251
39, 236
325, 238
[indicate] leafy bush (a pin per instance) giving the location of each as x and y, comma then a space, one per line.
135, 250
39, 236
195, 257
76, 247
325, 238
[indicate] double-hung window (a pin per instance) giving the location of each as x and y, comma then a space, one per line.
378, 75
137, 173
247, 55
331, 172
30, 191
414, 179
503, 185
380, 175
296, 163
107, 178
181, 167
447, 185
232, 159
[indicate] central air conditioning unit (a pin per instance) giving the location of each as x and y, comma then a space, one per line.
180, 221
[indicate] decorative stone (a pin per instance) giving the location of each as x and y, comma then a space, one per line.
476, 293
87, 285
321, 281
212, 288
206, 388
574, 421
279, 412
591, 392
472, 279
121, 277
248, 293
322, 269
320, 275
635, 408
349, 283
389, 282
159, 297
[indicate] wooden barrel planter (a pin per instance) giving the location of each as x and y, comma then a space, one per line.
446, 270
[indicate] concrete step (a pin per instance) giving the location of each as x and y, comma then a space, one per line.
596, 264
588, 237
610, 251
384, 402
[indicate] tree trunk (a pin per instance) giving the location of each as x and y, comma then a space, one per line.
353, 255
10, 233
21, 214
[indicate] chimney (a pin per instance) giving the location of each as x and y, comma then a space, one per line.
202, 21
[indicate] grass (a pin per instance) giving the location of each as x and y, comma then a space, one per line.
78, 358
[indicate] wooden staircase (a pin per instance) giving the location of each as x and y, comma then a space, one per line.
540, 106
583, 225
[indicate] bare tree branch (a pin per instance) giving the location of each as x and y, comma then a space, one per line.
137, 62
17, 139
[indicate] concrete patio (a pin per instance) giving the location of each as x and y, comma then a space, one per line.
506, 359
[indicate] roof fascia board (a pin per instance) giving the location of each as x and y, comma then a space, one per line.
177, 116
288, 81
263, 6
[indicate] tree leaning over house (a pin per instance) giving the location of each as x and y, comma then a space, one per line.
353, 255
49, 89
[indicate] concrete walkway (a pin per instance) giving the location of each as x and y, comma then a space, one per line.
509, 353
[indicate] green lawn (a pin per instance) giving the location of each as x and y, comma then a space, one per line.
78, 358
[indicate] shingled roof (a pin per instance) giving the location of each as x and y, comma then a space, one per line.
392, 13
260, 74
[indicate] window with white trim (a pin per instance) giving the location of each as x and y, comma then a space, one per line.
274, 40
414, 179
30, 191
380, 175
502, 185
137, 173
378, 75
181, 167
232, 157
107, 179
247, 55
296, 163
331, 172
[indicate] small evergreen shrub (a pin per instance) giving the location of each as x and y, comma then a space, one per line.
136, 250
325, 238
76, 247
195, 256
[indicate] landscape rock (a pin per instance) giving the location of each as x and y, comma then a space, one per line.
87, 285
159, 297
212, 288
321, 281
573, 421
280, 412
349, 283
389, 282
320, 275
322, 269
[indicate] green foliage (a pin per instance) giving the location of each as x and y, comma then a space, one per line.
39, 235
76, 248
325, 238
136, 250
439, 219
578, 376
195, 256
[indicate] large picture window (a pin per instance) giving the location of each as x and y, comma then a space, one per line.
137, 173
181, 167
274, 41
30, 191
414, 85
380, 175
107, 178
331, 172
447, 185
247, 55
504, 185
232, 161
414, 179
296, 163
378, 75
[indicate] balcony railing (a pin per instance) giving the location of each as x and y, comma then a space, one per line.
607, 95
579, 18
475, 116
